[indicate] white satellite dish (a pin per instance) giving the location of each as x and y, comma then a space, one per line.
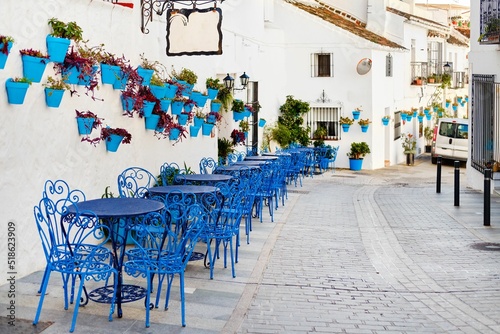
364, 66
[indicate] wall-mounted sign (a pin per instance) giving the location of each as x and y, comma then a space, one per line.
194, 32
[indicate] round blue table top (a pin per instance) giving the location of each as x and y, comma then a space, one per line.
248, 163
261, 157
233, 168
207, 177
183, 188
118, 207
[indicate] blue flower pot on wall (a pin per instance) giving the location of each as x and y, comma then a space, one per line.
207, 129
109, 73
238, 116
85, 125
212, 93
147, 108
57, 48
16, 91
151, 122
182, 119
174, 134
165, 104
113, 142
3, 56
121, 81
70, 75
262, 122
364, 128
176, 107
215, 106
355, 114
127, 103
198, 121
345, 127
194, 130
158, 91
146, 74
170, 91
33, 67
385, 121
53, 97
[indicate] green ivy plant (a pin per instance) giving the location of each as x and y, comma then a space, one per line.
69, 30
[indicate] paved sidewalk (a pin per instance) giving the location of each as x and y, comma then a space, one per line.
351, 252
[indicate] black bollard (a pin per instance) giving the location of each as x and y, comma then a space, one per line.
438, 175
457, 183
487, 197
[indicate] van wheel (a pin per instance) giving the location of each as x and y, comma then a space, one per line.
434, 160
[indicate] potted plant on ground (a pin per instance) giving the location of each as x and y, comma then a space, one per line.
6, 43
428, 134
356, 154
34, 62
224, 147
54, 91
409, 144
60, 38
16, 89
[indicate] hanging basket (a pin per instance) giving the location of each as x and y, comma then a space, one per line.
53, 97
3, 56
85, 125
57, 48
16, 91
33, 67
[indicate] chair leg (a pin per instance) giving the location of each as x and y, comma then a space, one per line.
43, 289
170, 280
148, 298
232, 257
183, 305
77, 304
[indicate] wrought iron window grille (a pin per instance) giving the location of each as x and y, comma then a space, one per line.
148, 7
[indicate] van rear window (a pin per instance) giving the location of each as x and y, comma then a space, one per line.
447, 129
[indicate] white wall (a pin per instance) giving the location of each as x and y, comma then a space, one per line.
39, 143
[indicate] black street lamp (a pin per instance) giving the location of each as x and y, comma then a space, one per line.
229, 81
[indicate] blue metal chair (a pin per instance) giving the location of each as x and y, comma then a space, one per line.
207, 165
332, 156
165, 256
73, 244
265, 194
223, 224
135, 182
171, 174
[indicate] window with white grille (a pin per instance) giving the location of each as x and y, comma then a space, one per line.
324, 117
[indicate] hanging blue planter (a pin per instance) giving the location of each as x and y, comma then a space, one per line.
165, 104
3, 56
193, 130
403, 116
385, 121
176, 107
238, 115
109, 73
215, 106
182, 119
170, 91
151, 122
121, 81
355, 114
211, 119
454, 107
174, 134
199, 99
147, 108
207, 129
158, 91
262, 122
16, 91
447, 104
146, 74
85, 125
420, 118
198, 121
127, 103
85, 81
428, 116
33, 67
364, 128
212, 93
113, 142
70, 75
345, 127
53, 97
426, 111
57, 48
188, 107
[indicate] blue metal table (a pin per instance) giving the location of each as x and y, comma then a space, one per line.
188, 188
207, 179
119, 214
260, 157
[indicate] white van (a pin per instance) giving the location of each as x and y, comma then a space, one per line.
451, 139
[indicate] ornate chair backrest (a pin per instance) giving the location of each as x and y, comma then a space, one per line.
207, 165
135, 182
232, 158
176, 203
169, 172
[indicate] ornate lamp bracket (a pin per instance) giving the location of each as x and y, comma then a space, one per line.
148, 7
